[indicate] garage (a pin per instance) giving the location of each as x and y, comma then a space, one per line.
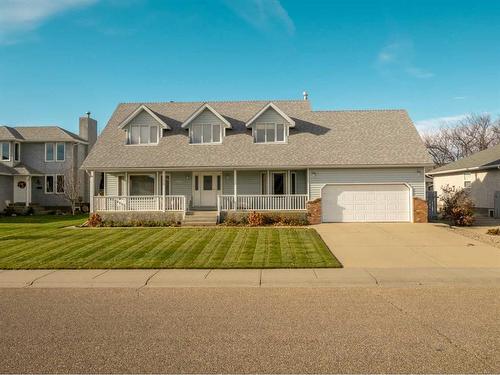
365, 203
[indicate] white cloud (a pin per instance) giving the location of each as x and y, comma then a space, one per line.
20, 16
435, 123
263, 14
398, 57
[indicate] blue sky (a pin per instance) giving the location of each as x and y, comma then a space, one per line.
60, 58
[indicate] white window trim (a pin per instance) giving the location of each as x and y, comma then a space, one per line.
222, 134
156, 183
158, 135
54, 152
285, 133
1, 152
19, 156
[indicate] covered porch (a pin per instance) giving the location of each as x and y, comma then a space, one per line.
213, 190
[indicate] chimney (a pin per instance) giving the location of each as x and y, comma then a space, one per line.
88, 129
305, 94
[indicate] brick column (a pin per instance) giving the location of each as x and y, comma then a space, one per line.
314, 211
420, 210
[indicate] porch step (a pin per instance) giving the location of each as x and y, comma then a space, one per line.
200, 218
486, 221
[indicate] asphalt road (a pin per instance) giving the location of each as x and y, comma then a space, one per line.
230, 330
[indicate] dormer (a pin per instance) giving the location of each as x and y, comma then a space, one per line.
143, 127
270, 125
206, 126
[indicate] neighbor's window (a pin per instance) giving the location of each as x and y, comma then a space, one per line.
142, 184
17, 151
269, 133
467, 184
205, 133
5, 151
143, 134
55, 151
49, 184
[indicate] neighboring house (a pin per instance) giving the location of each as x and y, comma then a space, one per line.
365, 165
35, 161
480, 173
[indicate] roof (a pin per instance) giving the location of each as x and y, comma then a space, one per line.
489, 158
320, 138
151, 113
19, 169
265, 108
204, 107
38, 134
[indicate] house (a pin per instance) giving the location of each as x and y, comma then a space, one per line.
36, 162
480, 173
280, 155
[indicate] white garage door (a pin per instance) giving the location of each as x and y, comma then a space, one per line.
365, 203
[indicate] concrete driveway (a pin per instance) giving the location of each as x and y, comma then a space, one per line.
405, 245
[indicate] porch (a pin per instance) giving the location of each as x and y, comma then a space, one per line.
183, 191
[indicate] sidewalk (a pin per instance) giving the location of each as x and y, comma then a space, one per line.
318, 277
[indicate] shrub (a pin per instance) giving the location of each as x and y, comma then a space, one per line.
494, 231
458, 207
256, 219
30, 211
236, 218
95, 220
9, 211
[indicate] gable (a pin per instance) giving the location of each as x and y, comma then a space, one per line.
206, 117
143, 118
270, 115
271, 110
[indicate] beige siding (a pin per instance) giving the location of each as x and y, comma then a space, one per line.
483, 185
412, 176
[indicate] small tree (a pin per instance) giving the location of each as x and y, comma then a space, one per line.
458, 207
72, 188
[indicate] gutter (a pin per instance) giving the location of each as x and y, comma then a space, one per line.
471, 169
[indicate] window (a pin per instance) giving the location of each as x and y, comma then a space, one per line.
5, 151
17, 151
467, 184
196, 183
293, 183
207, 182
205, 133
55, 151
279, 183
49, 184
263, 183
219, 182
142, 185
143, 134
60, 184
269, 133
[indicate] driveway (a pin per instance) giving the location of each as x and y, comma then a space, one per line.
405, 245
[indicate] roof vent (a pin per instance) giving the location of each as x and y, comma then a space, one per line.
305, 94
88, 114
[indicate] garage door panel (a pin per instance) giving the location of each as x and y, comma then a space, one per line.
364, 203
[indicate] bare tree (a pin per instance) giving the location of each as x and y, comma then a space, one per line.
72, 188
474, 133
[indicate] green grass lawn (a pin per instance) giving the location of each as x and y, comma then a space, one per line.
46, 242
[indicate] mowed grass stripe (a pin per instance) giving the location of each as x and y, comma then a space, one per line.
45, 242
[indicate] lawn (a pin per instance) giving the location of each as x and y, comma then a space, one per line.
35, 242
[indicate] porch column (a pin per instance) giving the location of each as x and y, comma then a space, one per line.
126, 191
91, 191
235, 182
163, 189
308, 181
28, 191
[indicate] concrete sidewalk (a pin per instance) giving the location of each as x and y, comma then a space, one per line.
318, 277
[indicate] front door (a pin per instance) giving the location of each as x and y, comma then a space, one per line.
20, 189
206, 188
279, 183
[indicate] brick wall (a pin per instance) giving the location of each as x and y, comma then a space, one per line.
419, 210
314, 211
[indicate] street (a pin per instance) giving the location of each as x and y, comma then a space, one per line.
438, 329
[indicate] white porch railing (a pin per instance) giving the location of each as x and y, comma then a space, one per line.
140, 203
292, 202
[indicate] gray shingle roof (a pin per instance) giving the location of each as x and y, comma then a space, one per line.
482, 159
38, 134
320, 138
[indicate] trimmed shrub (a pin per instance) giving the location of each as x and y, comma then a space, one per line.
458, 207
259, 218
493, 231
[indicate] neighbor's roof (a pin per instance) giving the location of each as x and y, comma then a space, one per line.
320, 138
489, 158
38, 134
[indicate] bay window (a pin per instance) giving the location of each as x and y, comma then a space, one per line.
5, 150
269, 132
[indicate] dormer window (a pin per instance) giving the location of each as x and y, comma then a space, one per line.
143, 134
205, 133
269, 132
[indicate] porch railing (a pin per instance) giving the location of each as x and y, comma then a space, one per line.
292, 202
140, 203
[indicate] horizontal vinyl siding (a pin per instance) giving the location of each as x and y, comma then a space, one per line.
181, 184
6, 190
270, 115
320, 177
143, 118
301, 182
206, 117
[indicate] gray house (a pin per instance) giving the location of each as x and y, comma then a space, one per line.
280, 155
37, 161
